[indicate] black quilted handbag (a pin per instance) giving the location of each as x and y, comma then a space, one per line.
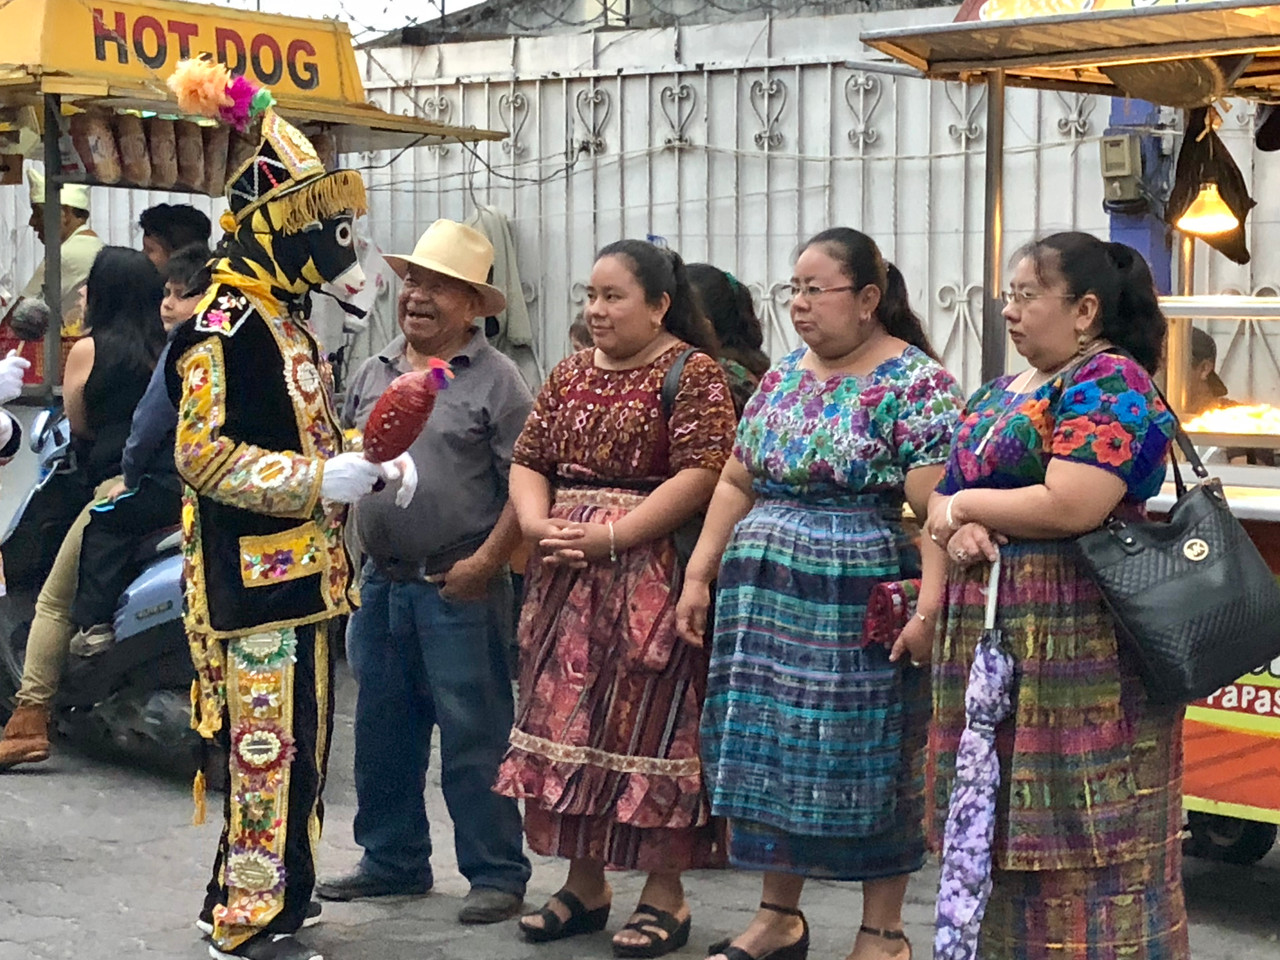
1192, 598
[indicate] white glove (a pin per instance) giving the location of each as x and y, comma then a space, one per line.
402, 468
6, 433
12, 370
348, 477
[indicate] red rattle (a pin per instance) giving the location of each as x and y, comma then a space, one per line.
401, 412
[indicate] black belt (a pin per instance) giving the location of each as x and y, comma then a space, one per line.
431, 570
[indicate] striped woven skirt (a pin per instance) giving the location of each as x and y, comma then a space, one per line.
812, 745
604, 750
1087, 852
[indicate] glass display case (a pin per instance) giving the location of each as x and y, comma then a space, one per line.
1221, 413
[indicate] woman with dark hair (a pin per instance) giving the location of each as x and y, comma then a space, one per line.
1086, 855
896, 314
106, 375
108, 370
813, 734
727, 304
604, 750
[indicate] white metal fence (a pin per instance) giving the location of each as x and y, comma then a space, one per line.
734, 142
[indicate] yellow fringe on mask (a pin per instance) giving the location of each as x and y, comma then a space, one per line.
323, 198
197, 794
195, 704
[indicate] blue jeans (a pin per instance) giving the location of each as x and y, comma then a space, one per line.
421, 661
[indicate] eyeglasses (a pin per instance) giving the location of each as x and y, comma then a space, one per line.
1021, 296
810, 292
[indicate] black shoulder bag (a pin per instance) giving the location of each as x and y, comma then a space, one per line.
686, 535
1192, 598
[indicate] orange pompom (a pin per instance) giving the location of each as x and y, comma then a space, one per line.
201, 86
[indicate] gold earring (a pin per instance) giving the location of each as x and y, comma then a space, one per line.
1083, 342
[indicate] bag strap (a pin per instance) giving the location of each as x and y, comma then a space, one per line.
1179, 435
671, 382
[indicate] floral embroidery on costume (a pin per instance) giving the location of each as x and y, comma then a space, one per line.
281, 556
260, 681
224, 314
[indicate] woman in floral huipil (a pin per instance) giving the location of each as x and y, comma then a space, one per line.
813, 739
1087, 862
604, 751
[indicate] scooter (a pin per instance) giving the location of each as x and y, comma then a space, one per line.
130, 700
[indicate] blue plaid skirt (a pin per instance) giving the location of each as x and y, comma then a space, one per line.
813, 747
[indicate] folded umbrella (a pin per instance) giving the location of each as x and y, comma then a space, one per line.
965, 885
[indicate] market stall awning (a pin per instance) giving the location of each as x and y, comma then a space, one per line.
118, 56
1070, 51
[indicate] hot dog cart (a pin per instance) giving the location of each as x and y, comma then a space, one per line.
89, 81
1116, 48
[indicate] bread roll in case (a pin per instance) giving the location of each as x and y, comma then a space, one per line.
92, 137
216, 140
190, 154
163, 146
135, 160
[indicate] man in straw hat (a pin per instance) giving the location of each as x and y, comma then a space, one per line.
79, 247
428, 645
266, 479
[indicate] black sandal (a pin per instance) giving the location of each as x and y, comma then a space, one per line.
648, 921
581, 920
792, 951
899, 935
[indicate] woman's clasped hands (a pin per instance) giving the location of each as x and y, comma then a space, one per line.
572, 544
966, 543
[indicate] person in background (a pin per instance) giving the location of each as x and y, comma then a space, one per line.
168, 227
107, 374
80, 246
580, 335
727, 304
1205, 389
13, 369
604, 751
813, 737
149, 493
429, 644
1087, 856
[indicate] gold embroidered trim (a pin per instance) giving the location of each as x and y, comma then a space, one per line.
280, 557
260, 675
620, 763
598, 497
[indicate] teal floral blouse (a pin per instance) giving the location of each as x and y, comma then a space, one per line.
1109, 416
801, 437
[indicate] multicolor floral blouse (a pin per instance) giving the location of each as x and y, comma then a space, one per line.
1108, 415
810, 438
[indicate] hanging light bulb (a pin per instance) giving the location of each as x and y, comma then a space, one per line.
1208, 214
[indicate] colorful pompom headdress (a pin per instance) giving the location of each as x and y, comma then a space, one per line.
284, 173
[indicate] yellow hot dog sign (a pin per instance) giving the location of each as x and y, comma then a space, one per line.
125, 43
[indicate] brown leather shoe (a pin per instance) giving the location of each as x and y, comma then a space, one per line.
26, 737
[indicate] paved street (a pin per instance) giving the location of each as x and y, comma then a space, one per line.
98, 860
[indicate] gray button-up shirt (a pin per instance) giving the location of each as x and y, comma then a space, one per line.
463, 456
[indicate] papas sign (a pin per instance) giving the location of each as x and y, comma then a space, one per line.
295, 57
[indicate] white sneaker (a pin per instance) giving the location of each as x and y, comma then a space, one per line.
92, 640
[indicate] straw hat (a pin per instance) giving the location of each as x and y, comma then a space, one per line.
457, 251
72, 194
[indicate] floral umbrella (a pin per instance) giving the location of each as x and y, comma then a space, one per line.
965, 884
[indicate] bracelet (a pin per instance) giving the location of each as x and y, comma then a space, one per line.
921, 617
613, 544
951, 523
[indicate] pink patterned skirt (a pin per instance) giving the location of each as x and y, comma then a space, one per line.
604, 750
